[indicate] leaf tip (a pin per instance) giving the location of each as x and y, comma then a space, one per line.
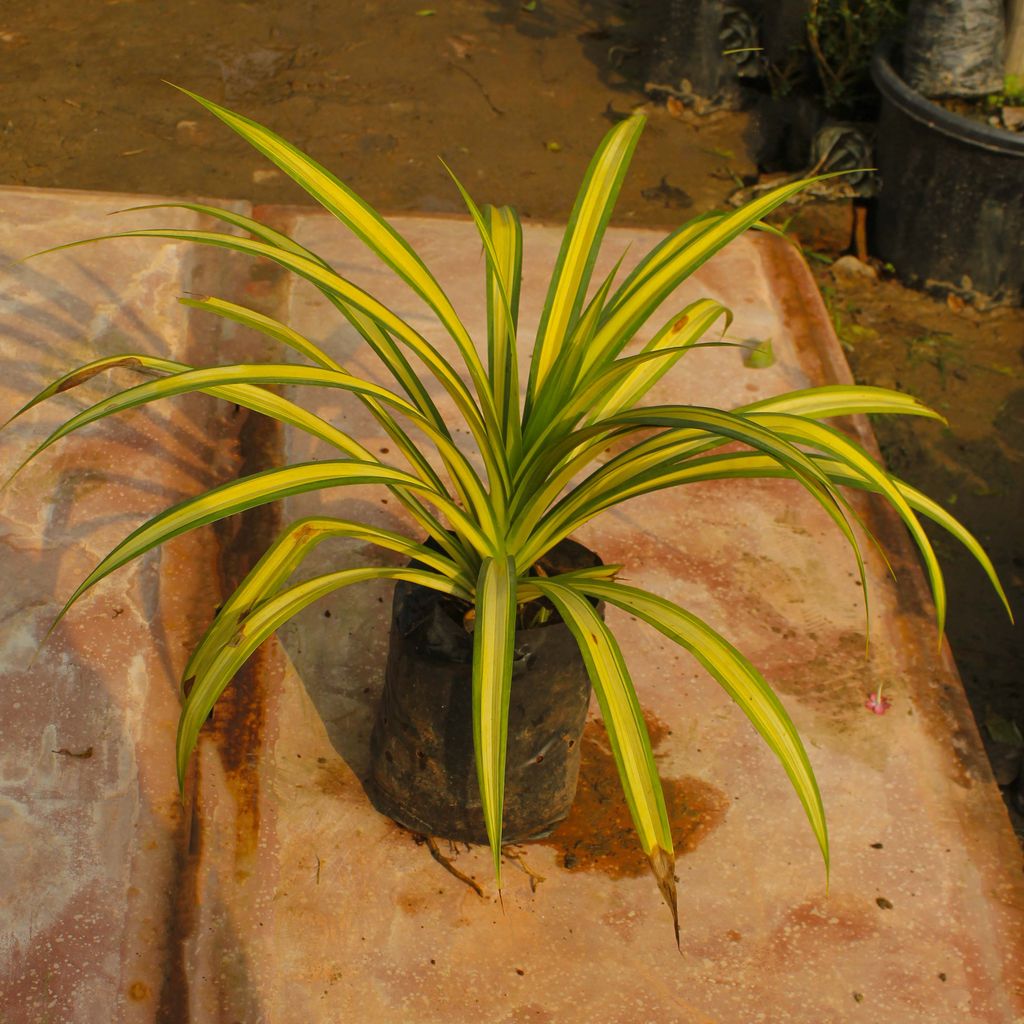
663, 863
214, 108
826, 855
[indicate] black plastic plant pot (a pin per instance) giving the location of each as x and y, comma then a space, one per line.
422, 765
950, 212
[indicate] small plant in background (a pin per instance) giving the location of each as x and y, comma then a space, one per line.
537, 469
833, 58
1013, 89
841, 36
844, 319
939, 349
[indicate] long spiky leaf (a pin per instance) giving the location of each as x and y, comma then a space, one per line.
504, 277
738, 678
467, 482
485, 434
627, 731
379, 236
648, 291
259, 489
257, 627
575, 263
262, 401
284, 556
378, 339
493, 642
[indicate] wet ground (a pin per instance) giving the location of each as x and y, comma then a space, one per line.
514, 100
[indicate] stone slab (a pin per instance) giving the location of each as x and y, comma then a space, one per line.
286, 897
915, 820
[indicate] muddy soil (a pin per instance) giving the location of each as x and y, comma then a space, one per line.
514, 100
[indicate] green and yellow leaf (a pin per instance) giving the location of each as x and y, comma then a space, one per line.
737, 676
257, 627
627, 731
284, 556
356, 214
487, 434
251, 491
575, 263
493, 642
667, 272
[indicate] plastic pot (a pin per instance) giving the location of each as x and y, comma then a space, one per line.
950, 212
422, 766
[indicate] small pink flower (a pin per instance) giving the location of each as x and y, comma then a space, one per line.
877, 703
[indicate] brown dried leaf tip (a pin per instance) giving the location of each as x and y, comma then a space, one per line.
663, 864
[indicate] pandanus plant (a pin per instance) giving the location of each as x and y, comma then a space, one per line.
542, 450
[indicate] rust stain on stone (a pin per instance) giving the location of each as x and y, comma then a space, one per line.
182, 901
803, 311
238, 727
412, 903
598, 834
138, 991
239, 716
332, 779
238, 719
